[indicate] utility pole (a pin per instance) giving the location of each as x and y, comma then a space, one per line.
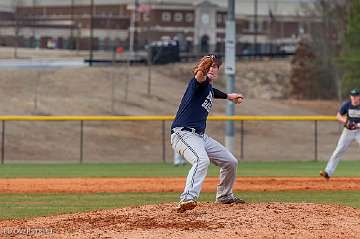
91, 32
33, 21
16, 11
130, 55
71, 45
148, 26
132, 28
255, 27
230, 69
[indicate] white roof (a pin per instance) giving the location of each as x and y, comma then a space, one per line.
242, 7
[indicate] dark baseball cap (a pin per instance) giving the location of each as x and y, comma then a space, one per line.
216, 59
355, 92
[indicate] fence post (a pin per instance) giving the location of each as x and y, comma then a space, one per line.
163, 142
81, 140
3, 143
315, 140
242, 140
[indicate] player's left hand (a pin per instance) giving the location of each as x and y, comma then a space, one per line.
235, 98
203, 65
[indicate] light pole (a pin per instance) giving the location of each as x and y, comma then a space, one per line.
130, 54
71, 43
33, 21
91, 32
230, 69
132, 28
255, 27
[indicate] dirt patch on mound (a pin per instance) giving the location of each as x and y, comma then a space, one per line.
208, 220
171, 184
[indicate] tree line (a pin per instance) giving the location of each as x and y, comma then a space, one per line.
326, 62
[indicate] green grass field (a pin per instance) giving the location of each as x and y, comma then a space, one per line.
32, 205
296, 169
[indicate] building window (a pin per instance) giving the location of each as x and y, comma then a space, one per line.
251, 26
219, 18
166, 16
260, 26
121, 12
189, 17
137, 18
146, 17
178, 17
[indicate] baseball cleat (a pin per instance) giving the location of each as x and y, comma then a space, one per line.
186, 205
324, 174
230, 200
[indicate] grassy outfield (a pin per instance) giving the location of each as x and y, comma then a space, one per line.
296, 169
26, 206
32, 205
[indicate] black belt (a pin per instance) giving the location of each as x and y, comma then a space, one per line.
189, 130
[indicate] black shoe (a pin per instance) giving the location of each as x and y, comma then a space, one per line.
324, 174
230, 200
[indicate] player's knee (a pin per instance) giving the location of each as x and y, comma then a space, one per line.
204, 162
233, 163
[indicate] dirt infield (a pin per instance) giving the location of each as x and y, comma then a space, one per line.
170, 184
207, 220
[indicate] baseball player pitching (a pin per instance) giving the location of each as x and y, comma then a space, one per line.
188, 137
349, 115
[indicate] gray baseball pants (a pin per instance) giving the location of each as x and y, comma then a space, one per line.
200, 150
344, 142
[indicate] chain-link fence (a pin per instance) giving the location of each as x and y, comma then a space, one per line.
75, 139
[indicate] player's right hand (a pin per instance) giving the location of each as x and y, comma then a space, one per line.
236, 98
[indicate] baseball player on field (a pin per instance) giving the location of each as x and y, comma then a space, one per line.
188, 137
349, 115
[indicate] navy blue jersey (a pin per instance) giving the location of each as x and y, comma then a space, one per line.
195, 106
352, 112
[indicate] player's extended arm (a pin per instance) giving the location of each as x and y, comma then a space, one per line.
236, 98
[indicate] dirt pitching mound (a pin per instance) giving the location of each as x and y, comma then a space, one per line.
208, 220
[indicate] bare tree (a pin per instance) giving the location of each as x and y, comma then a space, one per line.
350, 55
302, 71
326, 28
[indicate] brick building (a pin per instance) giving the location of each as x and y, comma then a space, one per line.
197, 26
